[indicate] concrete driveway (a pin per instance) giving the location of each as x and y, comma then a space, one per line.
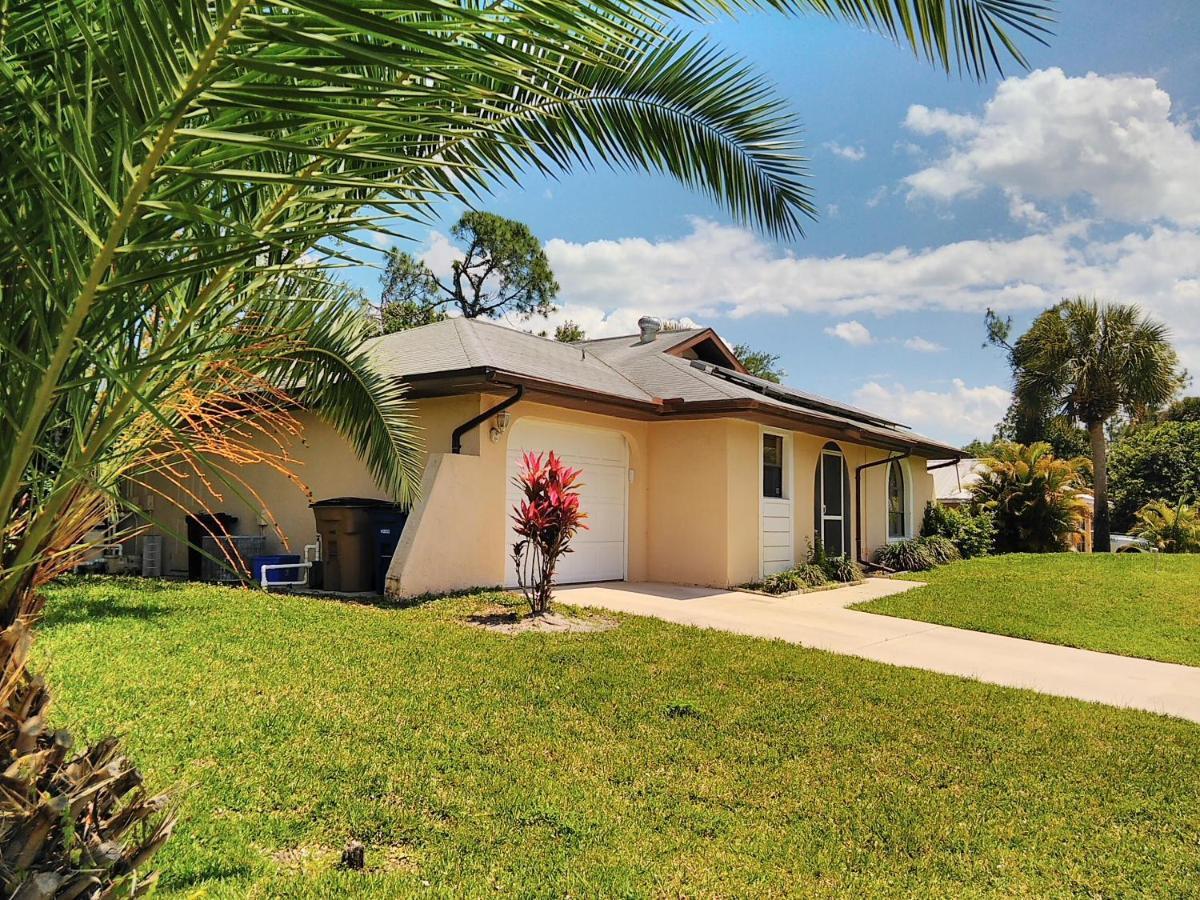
820, 620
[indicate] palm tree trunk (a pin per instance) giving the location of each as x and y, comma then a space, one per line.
1100, 537
72, 824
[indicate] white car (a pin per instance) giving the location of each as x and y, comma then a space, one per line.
1127, 543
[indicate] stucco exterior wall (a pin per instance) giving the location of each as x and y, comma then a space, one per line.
693, 505
744, 497
276, 508
688, 538
447, 543
873, 506
459, 536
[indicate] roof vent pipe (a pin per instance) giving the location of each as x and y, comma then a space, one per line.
649, 327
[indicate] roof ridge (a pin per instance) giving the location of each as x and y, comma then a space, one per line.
466, 336
579, 348
661, 334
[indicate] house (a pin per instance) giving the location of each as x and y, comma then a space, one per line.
952, 482
694, 471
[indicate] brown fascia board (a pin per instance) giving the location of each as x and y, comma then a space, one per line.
446, 384
770, 414
484, 379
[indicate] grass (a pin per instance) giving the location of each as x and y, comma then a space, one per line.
649, 760
1145, 605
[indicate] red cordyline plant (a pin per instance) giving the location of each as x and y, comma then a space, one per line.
546, 520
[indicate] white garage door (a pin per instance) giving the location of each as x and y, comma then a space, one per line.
603, 458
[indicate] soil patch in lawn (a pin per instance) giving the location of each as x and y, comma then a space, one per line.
506, 621
314, 860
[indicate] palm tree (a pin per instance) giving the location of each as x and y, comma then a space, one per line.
176, 178
1170, 528
1034, 496
1088, 361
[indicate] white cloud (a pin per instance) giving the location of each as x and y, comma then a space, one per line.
439, 252
923, 120
1022, 210
1048, 135
960, 414
877, 196
833, 210
923, 345
852, 153
853, 333
717, 270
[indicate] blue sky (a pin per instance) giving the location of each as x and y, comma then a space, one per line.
938, 196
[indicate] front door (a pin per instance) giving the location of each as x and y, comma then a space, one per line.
833, 502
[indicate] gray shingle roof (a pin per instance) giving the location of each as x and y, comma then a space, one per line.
459, 343
621, 367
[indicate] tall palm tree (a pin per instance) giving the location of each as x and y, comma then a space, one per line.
1034, 495
175, 178
1088, 361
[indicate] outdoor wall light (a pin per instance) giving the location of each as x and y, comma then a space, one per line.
502, 419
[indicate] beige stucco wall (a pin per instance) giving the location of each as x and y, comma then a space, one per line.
693, 504
806, 455
447, 544
459, 538
324, 464
688, 492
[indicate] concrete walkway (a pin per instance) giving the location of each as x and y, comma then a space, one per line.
821, 620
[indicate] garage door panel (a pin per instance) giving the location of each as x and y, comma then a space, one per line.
600, 479
599, 550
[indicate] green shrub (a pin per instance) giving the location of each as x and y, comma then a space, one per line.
842, 568
802, 577
906, 556
918, 554
811, 575
1160, 462
816, 554
820, 570
1172, 528
972, 533
1034, 496
942, 549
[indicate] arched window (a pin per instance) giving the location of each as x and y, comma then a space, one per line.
897, 502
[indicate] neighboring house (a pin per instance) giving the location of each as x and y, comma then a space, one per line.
693, 471
952, 487
952, 483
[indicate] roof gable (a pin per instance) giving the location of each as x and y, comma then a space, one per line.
708, 347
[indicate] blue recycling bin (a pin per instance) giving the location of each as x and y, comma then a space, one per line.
387, 523
275, 576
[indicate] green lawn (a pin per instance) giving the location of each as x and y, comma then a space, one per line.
1144, 605
650, 760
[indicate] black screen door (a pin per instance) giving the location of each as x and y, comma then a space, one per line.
833, 502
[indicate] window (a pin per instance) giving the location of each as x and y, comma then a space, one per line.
772, 465
896, 502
